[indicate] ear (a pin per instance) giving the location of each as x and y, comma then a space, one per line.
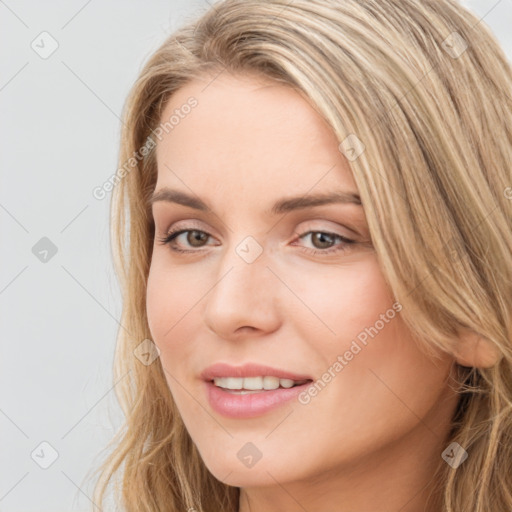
473, 350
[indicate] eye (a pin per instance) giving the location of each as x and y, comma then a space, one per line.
195, 237
323, 241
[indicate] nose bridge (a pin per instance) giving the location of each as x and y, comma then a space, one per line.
243, 293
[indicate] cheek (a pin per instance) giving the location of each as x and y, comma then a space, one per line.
172, 291
160, 302
382, 374
343, 300
170, 299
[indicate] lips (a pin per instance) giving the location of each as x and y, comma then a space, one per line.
249, 370
242, 406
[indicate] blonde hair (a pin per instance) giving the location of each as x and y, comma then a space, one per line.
426, 88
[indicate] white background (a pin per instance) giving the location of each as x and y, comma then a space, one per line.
59, 140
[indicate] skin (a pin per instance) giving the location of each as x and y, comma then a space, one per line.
370, 440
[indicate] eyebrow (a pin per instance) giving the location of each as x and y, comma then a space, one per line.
282, 206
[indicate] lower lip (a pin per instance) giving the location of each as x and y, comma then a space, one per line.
251, 405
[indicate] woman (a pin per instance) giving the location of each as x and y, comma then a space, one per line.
314, 245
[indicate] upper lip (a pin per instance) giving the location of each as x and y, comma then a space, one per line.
248, 370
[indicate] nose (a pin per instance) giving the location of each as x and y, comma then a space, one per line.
244, 298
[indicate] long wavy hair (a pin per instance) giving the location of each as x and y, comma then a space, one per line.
426, 88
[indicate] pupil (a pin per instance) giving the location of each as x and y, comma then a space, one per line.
195, 236
322, 237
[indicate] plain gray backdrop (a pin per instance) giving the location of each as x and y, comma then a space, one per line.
65, 71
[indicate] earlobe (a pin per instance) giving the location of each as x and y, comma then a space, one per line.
473, 350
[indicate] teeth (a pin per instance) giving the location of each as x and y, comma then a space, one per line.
254, 383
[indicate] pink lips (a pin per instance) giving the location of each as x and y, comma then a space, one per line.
249, 370
235, 405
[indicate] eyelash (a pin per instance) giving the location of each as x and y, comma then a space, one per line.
345, 247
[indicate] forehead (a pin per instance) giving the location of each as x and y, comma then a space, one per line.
250, 132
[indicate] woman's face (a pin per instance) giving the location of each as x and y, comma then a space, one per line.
282, 289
